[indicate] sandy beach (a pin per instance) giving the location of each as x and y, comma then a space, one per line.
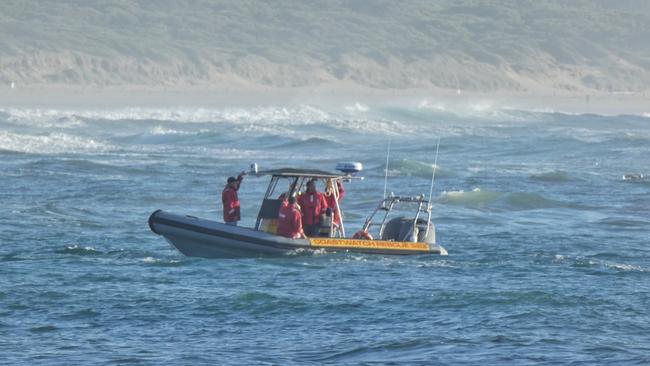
81, 97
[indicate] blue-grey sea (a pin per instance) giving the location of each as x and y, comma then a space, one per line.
549, 246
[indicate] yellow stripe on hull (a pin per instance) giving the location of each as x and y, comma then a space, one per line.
368, 244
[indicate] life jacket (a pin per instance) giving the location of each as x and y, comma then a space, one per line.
289, 222
312, 204
231, 204
332, 203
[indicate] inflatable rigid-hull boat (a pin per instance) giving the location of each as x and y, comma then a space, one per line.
197, 237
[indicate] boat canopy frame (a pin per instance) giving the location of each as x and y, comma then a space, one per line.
298, 178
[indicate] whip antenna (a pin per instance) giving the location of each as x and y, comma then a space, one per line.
386, 170
435, 166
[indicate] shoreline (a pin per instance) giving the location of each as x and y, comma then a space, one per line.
337, 96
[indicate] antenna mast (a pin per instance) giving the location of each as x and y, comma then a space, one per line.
435, 166
386, 170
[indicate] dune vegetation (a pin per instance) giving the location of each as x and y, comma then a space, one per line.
513, 45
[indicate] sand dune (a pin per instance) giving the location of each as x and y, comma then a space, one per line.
548, 48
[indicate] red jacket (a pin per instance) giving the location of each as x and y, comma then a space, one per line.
341, 190
331, 202
312, 204
231, 203
289, 221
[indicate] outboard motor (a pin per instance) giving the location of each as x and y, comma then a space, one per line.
401, 229
430, 237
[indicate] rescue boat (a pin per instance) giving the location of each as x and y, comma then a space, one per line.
385, 231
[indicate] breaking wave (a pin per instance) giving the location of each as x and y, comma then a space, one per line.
79, 250
485, 110
477, 198
597, 263
163, 262
300, 120
51, 143
165, 135
160, 130
409, 167
474, 198
57, 117
357, 107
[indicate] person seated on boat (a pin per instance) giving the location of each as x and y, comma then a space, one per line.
332, 202
313, 205
230, 200
290, 220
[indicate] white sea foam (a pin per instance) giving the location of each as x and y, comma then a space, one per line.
303, 114
160, 130
485, 110
59, 117
79, 250
459, 193
560, 258
599, 263
46, 118
426, 104
152, 260
77, 247
587, 135
437, 264
479, 119
53, 143
357, 107
275, 120
626, 267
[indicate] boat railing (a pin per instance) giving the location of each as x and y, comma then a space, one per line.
387, 206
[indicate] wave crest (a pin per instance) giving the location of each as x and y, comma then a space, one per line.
72, 118
473, 198
477, 198
78, 250
417, 168
53, 143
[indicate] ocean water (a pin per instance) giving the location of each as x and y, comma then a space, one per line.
549, 247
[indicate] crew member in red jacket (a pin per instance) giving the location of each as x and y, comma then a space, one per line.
333, 203
289, 220
230, 200
313, 205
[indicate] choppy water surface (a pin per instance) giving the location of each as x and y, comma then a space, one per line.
549, 257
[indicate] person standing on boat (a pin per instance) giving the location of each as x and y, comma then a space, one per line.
313, 205
230, 200
290, 220
333, 201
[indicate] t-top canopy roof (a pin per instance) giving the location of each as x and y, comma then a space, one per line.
292, 172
